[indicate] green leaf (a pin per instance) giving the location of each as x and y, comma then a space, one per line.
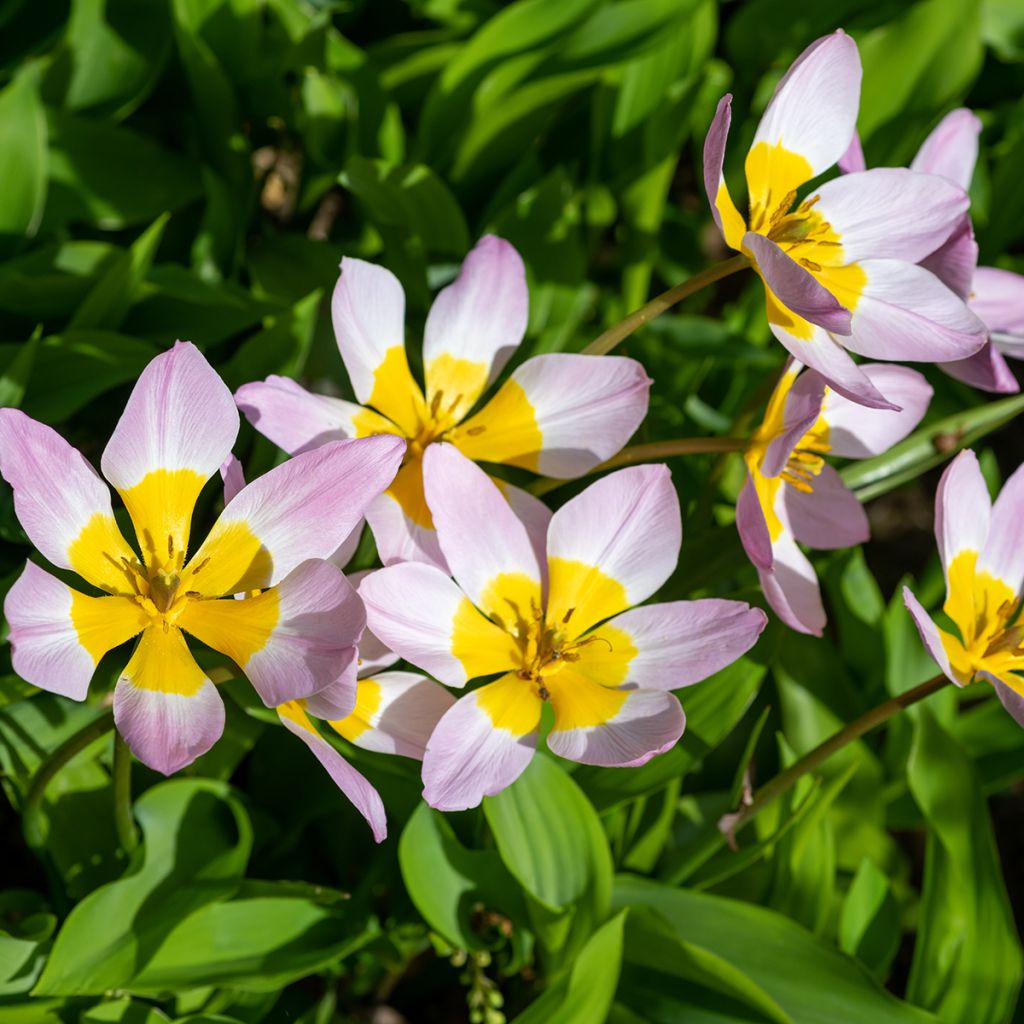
14, 378
196, 845
584, 994
123, 1011
869, 927
25, 929
23, 158
967, 959
805, 976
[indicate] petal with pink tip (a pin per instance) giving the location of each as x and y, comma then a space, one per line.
667, 646
1012, 701
534, 515
401, 522
612, 546
858, 433
951, 150
890, 213
483, 542
334, 701
752, 526
907, 313
559, 414
368, 311
1003, 553
395, 713
292, 640
614, 728
62, 504
999, 299
418, 612
829, 516
791, 588
931, 636
233, 477
374, 655
175, 432
853, 159
812, 116
955, 261
796, 288
58, 636
803, 402
474, 326
481, 745
352, 783
727, 217
963, 509
298, 420
165, 707
986, 370
301, 509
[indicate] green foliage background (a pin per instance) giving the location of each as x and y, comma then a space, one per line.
196, 169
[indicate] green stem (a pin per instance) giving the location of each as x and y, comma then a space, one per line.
654, 450
603, 344
123, 820
73, 745
730, 824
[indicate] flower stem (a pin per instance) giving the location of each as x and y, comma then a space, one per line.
123, 820
730, 824
604, 343
31, 809
655, 450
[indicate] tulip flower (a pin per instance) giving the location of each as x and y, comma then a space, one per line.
385, 711
559, 414
792, 494
294, 639
981, 545
840, 267
557, 631
995, 295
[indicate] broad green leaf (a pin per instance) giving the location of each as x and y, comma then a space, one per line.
584, 994
15, 376
869, 927
26, 925
807, 977
196, 844
23, 156
123, 1011
967, 959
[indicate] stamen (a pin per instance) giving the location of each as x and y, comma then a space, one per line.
475, 431
568, 616
170, 545
543, 692
202, 565
435, 404
810, 264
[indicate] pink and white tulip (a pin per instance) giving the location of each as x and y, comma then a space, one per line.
296, 638
995, 295
841, 267
792, 495
560, 630
559, 415
981, 545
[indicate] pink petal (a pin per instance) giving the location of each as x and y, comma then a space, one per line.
336, 700
317, 621
1013, 702
986, 370
362, 795
1003, 553
648, 723
891, 213
627, 527
951, 150
180, 416
678, 643
413, 607
368, 310
468, 757
399, 537
57, 494
302, 509
907, 313
998, 298
480, 319
802, 408
828, 517
559, 414
714, 181
791, 588
858, 433
298, 420
814, 110
406, 708
962, 509
955, 261
752, 526
164, 706
374, 655
853, 159
480, 536
58, 636
233, 478
535, 516
795, 287
930, 635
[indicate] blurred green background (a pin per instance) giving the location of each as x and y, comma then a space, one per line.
196, 169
